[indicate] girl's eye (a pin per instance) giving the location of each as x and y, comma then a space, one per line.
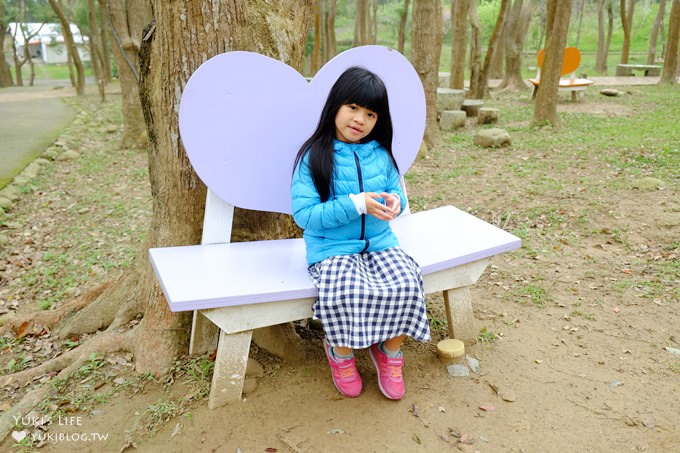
353, 107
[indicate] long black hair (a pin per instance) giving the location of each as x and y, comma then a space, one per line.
358, 86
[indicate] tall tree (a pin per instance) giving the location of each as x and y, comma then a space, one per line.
71, 47
361, 23
604, 34
127, 20
627, 25
329, 40
475, 46
517, 27
426, 44
654, 33
5, 73
96, 51
557, 27
403, 20
460, 10
481, 87
669, 75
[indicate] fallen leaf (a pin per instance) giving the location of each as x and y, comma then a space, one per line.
24, 329
487, 408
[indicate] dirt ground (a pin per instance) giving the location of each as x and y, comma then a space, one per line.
571, 357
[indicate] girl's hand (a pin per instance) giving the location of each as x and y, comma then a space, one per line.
387, 211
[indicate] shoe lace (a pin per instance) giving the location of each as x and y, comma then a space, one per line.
345, 372
393, 371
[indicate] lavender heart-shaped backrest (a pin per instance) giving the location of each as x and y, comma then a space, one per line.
243, 117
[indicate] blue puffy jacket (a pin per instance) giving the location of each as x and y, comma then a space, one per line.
334, 227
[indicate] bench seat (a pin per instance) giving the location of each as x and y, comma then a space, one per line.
244, 286
218, 275
623, 70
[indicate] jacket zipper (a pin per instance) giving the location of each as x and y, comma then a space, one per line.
361, 189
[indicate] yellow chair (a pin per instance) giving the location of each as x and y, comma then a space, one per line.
571, 62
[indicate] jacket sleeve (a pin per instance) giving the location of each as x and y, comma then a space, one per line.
394, 186
308, 210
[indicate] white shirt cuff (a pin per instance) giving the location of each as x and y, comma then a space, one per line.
359, 202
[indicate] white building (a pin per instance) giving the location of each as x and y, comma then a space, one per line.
47, 42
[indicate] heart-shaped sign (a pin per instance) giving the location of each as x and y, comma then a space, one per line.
243, 117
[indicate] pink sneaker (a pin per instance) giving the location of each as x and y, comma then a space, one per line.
390, 379
345, 374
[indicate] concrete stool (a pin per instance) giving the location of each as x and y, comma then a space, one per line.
487, 115
452, 119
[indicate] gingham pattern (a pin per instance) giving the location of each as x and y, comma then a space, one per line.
370, 297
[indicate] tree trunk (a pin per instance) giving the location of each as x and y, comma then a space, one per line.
517, 28
191, 32
669, 75
460, 10
482, 85
654, 34
372, 26
426, 44
557, 26
71, 46
95, 48
316, 45
627, 24
403, 20
475, 46
103, 39
330, 44
601, 56
127, 20
361, 24
5, 73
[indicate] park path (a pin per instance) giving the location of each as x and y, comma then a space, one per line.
31, 118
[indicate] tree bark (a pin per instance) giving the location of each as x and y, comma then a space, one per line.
426, 44
71, 46
460, 10
557, 26
669, 75
191, 32
654, 34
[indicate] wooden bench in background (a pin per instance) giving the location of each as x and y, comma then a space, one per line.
234, 288
623, 70
570, 63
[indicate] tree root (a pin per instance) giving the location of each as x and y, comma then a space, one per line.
70, 361
50, 318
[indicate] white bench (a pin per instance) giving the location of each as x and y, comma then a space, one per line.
239, 287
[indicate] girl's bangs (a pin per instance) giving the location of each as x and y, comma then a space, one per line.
370, 96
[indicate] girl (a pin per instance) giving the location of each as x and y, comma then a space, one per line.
345, 190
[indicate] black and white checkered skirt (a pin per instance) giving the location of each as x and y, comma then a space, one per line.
370, 297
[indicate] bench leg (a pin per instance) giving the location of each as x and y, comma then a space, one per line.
461, 321
230, 368
204, 335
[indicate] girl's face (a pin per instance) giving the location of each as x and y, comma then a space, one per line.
353, 123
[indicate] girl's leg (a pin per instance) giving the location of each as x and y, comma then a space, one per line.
394, 344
